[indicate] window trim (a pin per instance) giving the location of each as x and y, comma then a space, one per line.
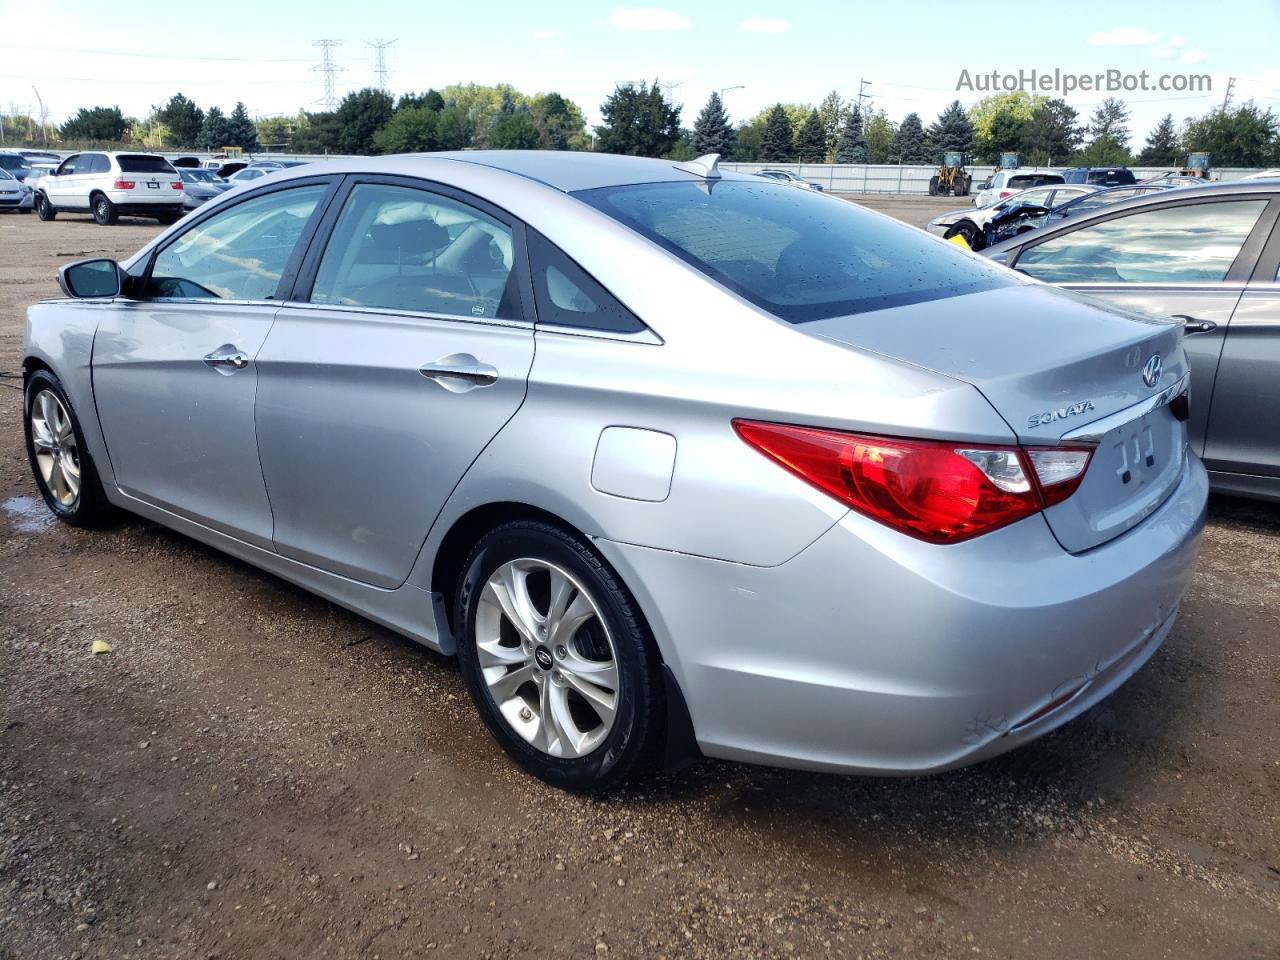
299, 294
1267, 269
140, 280
1240, 267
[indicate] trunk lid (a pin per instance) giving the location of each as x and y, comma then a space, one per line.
1054, 364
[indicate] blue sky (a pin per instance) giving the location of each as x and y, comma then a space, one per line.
795, 51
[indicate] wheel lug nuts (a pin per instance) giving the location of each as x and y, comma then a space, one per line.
526, 714
561, 652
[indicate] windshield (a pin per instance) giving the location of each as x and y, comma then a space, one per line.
5, 174
9, 162
141, 163
198, 176
798, 254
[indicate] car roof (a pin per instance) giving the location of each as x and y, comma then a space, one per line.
571, 170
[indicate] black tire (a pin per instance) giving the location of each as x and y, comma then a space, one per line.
104, 211
169, 219
959, 186
44, 209
933, 186
634, 738
90, 508
24, 211
967, 230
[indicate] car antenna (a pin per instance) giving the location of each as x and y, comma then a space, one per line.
706, 166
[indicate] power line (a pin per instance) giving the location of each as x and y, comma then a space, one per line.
380, 62
328, 71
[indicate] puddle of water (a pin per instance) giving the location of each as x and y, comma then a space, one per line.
27, 514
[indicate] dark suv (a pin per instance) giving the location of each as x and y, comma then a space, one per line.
1100, 176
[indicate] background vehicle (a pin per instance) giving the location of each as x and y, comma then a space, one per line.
200, 186
602, 592
1271, 174
111, 185
1096, 199
1172, 179
248, 175
1207, 255
15, 165
1005, 183
14, 194
785, 176
1100, 176
971, 224
951, 177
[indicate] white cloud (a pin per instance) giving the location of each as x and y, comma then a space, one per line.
764, 25
547, 33
1193, 56
646, 19
1163, 53
1177, 41
1122, 37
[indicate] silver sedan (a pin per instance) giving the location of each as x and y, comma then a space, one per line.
676, 462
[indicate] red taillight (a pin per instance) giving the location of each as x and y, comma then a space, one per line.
1059, 470
937, 491
124, 184
1007, 193
177, 184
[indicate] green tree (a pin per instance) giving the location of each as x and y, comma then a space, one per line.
214, 132
909, 145
833, 110
638, 121
952, 131
682, 151
96, 123
275, 133
360, 115
431, 100
183, 119
747, 139
558, 122
410, 130
852, 145
998, 122
811, 141
1052, 134
316, 133
878, 130
514, 131
1111, 120
454, 128
1243, 137
241, 131
776, 144
1162, 144
712, 132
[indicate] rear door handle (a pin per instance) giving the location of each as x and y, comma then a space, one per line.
227, 359
460, 372
1192, 325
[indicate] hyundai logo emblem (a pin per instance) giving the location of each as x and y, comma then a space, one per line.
1152, 370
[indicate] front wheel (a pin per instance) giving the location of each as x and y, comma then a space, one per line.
556, 656
967, 230
61, 463
44, 209
933, 186
104, 211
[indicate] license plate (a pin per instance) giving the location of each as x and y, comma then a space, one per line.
153, 185
1136, 453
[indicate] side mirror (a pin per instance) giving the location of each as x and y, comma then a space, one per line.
91, 278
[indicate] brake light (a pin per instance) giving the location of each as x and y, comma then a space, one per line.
125, 184
934, 490
177, 184
1007, 193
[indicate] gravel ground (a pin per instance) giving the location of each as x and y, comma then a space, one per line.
256, 773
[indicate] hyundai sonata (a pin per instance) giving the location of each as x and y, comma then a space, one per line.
676, 461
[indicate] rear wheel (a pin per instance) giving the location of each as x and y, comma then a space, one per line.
168, 219
933, 186
44, 209
104, 211
61, 463
960, 186
557, 658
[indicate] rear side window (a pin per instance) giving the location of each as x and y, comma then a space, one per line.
94, 163
1191, 243
798, 254
142, 163
567, 296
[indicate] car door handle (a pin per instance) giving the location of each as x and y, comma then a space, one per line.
1192, 325
227, 358
459, 371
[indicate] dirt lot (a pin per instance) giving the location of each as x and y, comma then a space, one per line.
256, 773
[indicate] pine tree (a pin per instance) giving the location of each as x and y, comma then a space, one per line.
776, 145
213, 134
638, 121
811, 141
184, 120
241, 131
1052, 134
952, 131
852, 146
834, 111
712, 132
1162, 144
909, 144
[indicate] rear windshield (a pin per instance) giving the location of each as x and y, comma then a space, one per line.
141, 163
1112, 178
1025, 180
798, 254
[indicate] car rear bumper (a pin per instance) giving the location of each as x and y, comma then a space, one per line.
871, 652
165, 197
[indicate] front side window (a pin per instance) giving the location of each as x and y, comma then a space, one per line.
1188, 244
240, 253
798, 254
69, 166
401, 248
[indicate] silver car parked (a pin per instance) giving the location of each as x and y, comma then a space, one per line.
674, 461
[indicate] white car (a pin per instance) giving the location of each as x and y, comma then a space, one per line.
111, 185
1005, 183
791, 179
1272, 174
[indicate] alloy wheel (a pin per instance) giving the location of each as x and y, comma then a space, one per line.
547, 657
56, 451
